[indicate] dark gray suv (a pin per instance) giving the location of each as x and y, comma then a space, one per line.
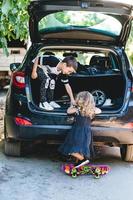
95, 32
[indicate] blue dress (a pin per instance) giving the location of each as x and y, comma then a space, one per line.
79, 138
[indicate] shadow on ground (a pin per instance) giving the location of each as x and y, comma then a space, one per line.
50, 152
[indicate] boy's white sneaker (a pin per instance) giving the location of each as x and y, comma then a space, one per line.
46, 106
54, 104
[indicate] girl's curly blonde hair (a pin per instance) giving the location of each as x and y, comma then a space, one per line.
85, 103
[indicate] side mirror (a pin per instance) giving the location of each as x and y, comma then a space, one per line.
14, 66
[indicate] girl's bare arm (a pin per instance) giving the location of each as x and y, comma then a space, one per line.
71, 110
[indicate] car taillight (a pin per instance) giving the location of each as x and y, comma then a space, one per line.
22, 121
129, 125
132, 89
19, 79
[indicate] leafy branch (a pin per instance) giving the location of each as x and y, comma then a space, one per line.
13, 21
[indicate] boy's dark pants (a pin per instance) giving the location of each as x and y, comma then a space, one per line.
47, 85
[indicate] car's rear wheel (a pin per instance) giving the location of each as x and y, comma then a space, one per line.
12, 148
126, 152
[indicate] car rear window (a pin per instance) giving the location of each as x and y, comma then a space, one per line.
82, 20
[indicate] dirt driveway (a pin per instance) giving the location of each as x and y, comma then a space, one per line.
37, 176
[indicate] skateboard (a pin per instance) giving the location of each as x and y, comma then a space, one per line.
96, 170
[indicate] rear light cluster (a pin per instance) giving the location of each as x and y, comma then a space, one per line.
19, 79
22, 121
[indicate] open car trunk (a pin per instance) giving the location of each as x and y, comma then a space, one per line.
108, 95
99, 72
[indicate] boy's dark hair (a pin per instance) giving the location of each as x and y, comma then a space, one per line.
70, 61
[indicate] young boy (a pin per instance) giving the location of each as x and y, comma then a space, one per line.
46, 68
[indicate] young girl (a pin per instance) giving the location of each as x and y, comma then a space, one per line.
78, 142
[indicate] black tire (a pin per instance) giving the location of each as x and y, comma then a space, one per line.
126, 152
12, 148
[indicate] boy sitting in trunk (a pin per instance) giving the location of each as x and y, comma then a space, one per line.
46, 68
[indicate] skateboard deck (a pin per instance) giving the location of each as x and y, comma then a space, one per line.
96, 170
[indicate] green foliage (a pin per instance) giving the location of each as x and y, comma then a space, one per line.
62, 17
13, 21
67, 17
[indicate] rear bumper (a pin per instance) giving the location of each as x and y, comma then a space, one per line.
116, 134
34, 132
